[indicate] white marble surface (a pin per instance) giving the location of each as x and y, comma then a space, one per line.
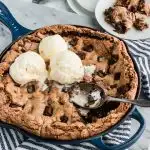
35, 16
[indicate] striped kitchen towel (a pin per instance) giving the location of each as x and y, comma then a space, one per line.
13, 140
141, 51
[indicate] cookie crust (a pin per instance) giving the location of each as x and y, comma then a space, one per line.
50, 114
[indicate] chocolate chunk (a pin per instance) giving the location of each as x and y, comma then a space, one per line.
88, 48
65, 89
117, 76
108, 11
23, 50
64, 33
123, 89
81, 55
113, 59
13, 105
73, 42
133, 9
51, 32
64, 119
47, 65
48, 111
120, 27
16, 84
113, 86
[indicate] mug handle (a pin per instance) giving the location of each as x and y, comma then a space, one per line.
7, 18
135, 115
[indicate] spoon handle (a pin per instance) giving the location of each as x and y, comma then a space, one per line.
138, 102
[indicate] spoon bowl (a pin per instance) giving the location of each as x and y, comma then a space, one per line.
88, 95
98, 97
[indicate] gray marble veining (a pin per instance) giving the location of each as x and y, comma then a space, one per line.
35, 16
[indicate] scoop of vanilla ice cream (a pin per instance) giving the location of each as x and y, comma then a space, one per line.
27, 67
51, 45
66, 68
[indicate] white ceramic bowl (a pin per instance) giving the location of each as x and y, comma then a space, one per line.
132, 34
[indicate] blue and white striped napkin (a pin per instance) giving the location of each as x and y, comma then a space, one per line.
141, 52
13, 140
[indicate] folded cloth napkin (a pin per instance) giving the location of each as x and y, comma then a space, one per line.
11, 139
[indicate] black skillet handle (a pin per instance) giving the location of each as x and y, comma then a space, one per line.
135, 115
7, 18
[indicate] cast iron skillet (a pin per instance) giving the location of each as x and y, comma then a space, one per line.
18, 32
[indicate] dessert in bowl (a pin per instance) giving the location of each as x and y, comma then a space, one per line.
42, 74
126, 14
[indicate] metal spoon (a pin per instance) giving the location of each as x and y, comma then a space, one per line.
138, 102
104, 98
